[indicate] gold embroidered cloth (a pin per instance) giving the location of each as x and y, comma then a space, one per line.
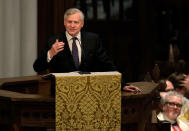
88, 102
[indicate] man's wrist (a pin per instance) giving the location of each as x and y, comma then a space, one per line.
49, 56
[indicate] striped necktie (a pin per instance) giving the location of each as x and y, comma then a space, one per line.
75, 53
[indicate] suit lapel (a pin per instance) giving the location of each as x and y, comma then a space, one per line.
66, 46
67, 50
83, 46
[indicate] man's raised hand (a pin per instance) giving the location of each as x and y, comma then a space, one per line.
56, 48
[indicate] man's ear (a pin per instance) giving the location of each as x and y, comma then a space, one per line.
163, 107
82, 24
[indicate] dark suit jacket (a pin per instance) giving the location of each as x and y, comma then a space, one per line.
94, 57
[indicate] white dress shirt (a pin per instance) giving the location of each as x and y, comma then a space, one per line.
182, 124
70, 41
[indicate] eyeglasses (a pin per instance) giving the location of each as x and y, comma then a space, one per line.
169, 90
174, 104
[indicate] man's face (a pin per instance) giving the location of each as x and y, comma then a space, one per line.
169, 87
73, 24
173, 107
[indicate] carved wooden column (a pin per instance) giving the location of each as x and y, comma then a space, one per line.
60, 6
51, 19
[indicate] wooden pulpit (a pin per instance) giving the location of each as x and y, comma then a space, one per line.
137, 107
26, 104
83, 102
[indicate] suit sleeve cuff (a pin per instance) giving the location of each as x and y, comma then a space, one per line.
48, 57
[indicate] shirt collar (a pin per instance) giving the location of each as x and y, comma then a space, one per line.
162, 117
69, 37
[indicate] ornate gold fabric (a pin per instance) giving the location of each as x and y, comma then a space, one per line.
88, 103
184, 116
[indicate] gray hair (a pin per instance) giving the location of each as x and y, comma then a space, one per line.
73, 11
171, 93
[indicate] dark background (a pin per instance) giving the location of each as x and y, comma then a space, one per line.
136, 38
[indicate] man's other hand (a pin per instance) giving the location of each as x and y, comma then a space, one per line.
131, 88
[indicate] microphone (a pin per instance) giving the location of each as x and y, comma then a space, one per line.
83, 57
